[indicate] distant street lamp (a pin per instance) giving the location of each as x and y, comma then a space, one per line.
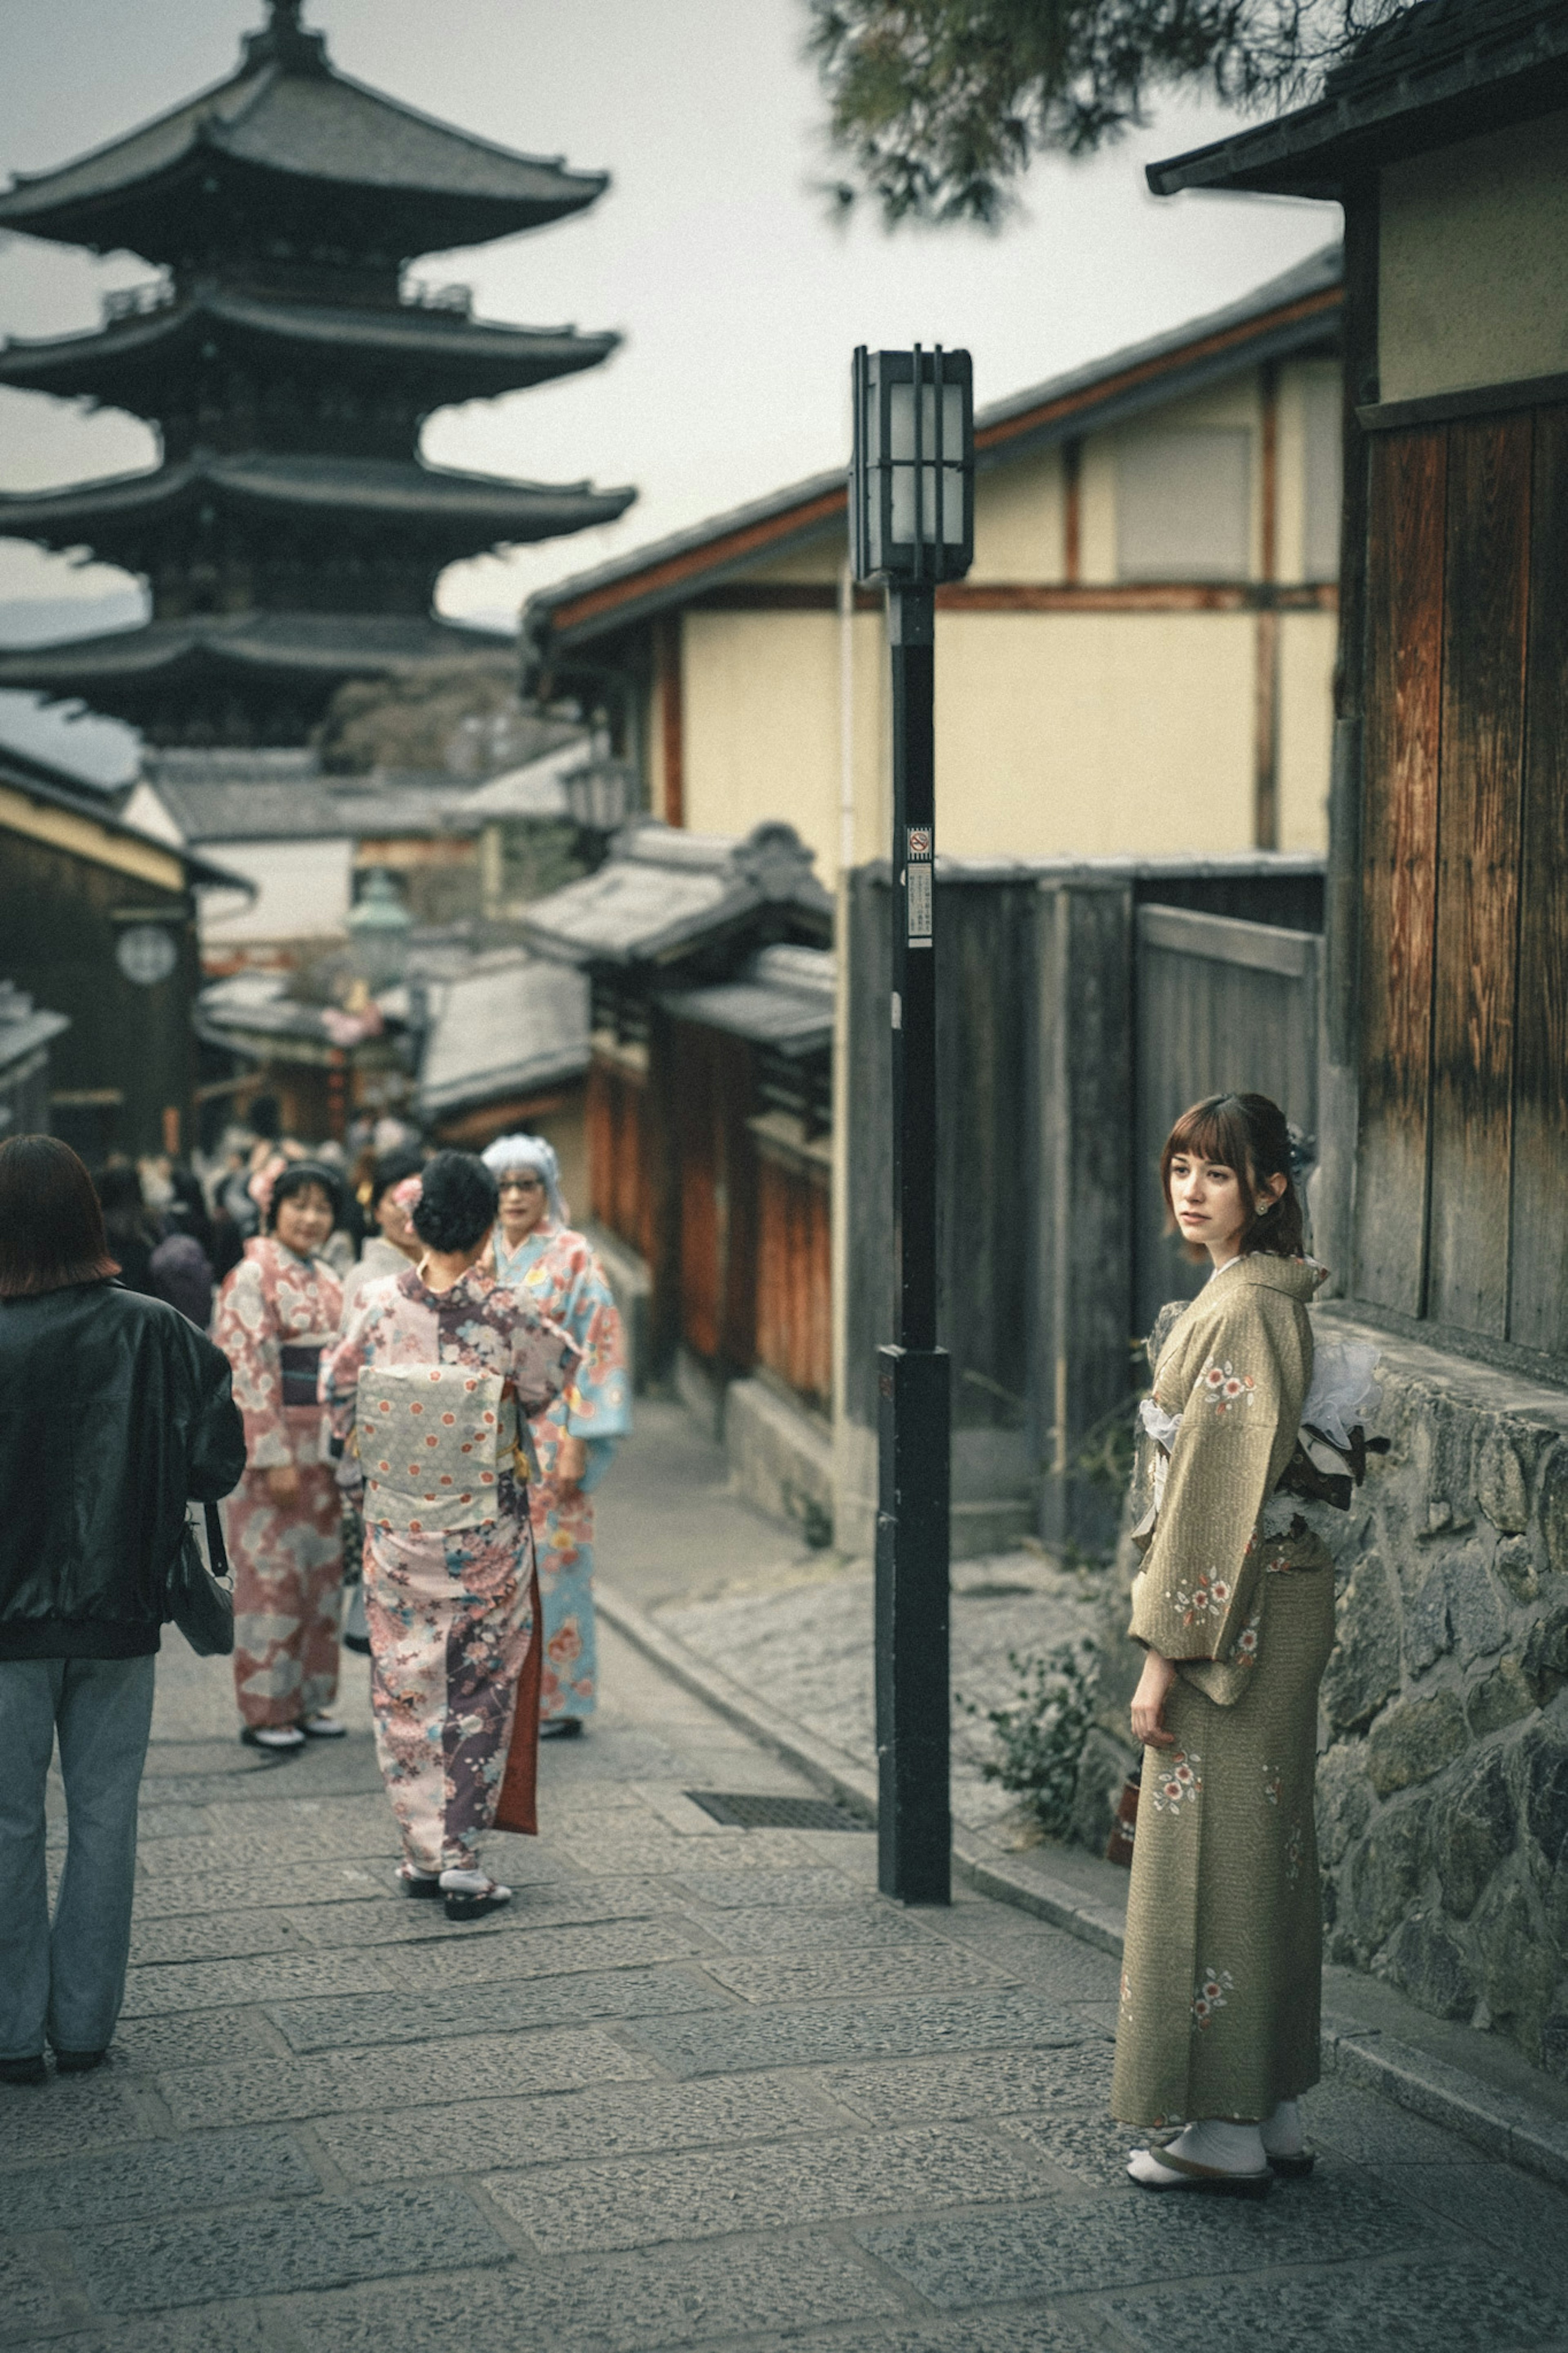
911, 516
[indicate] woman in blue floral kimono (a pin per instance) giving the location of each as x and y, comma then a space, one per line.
536, 1254
427, 1382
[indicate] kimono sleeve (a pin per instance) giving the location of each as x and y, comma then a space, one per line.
1194, 1595
598, 1396
342, 1365
545, 1360
243, 1330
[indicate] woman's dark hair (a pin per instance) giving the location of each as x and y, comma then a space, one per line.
391, 1169
51, 1226
1248, 1133
458, 1204
124, 1206
295, 1179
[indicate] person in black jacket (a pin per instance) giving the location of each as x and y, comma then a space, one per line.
113, 1411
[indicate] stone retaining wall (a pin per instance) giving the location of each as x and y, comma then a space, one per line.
1442, 1733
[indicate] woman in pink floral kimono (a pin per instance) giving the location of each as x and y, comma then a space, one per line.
536, 1254
427, 1381
276, 1310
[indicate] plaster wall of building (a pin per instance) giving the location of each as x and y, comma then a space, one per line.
1090, 731
1470, 263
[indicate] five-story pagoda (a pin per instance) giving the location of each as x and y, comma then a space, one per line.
291, 536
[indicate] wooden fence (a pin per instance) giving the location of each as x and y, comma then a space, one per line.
1080, 1008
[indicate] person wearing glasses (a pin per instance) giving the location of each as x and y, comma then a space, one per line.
536, 1252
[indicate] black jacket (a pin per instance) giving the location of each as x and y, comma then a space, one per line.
113, 1410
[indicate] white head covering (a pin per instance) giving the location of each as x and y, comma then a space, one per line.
510, 1151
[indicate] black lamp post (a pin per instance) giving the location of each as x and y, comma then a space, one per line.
911, 510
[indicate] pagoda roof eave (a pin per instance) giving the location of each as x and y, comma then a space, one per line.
302, 645
490, 354
301, 128
368, 489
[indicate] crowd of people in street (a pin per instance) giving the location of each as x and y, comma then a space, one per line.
427, 1412
405, 1379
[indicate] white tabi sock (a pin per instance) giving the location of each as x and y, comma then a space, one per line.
1281, 2132
1218, 2147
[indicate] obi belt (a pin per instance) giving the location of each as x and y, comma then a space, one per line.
434, 1441
300, 1363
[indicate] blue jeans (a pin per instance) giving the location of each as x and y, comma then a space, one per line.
68, 1982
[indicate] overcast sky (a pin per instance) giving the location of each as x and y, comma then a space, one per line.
711, 251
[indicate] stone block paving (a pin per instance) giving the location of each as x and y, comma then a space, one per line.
696, 2087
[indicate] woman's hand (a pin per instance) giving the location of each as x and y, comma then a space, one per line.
283, 1482
570, 1462
1149, 1703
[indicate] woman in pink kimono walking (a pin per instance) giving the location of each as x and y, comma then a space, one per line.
276, 1312
428, 1382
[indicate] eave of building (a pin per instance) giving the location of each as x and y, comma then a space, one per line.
302, 130
1292, 315
474, 354
305, 645
554, 1068
1450, 74
42, 805
370, 490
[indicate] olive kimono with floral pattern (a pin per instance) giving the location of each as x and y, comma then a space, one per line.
1220, 1985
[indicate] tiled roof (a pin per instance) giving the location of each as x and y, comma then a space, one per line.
1437, 73
374, 490
24, 1026
509, 1023
783, 998
344, 645
40, 781
305, 805
663, 893
481, 356
300, 121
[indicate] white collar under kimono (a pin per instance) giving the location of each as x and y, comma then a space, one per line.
511, 1266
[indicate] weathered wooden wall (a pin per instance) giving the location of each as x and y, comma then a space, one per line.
711, 1098
1462, 1192
795, 1288
129, 1055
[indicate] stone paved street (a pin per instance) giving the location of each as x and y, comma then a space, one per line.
795, 1626
700, 2086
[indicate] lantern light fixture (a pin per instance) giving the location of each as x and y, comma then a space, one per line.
911, 482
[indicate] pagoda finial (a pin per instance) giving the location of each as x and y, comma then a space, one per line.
286, 42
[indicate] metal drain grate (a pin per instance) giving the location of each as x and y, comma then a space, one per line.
738, 1810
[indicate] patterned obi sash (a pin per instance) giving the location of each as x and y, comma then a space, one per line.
434, 1441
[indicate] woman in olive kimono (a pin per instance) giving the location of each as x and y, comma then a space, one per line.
447, 1587
536, 1252
1235, 1608
276, 1310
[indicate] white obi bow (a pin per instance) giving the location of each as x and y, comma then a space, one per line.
434, 1441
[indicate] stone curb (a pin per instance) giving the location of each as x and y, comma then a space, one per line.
1504, 2127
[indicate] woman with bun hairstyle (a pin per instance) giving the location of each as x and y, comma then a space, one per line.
426, 1386
1233, 1607
276, 1311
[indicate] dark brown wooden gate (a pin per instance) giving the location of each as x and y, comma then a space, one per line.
1462, 1185
716, 1206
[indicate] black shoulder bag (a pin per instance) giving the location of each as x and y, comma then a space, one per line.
199, 1604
